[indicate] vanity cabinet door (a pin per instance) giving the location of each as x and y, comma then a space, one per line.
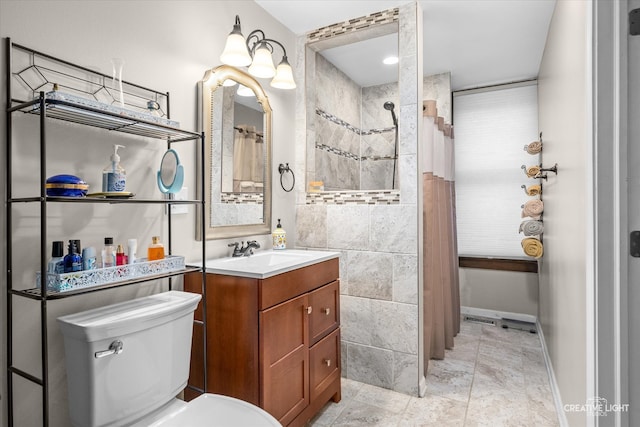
284, 358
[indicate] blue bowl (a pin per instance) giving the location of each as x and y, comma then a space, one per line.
66, 186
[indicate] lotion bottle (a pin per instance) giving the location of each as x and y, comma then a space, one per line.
114, 176
155, 250
108, 253
56, 263
121, 258
279, 237
73, 260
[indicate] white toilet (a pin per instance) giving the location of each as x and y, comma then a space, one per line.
127, 362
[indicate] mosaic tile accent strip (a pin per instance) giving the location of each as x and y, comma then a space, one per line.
340, 122
352, 25
241, 198
357, 131
379, 197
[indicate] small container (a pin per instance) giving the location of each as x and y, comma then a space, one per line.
121, 258
316, 186
108, 253
155, 250
66, 186
132, 249
89, 258
73, 260
279, 237
56, 263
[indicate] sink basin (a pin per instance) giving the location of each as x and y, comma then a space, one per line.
263, 264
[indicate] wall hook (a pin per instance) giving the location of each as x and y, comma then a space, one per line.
283, 169
553, 169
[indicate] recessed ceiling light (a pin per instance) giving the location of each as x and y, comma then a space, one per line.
390, 60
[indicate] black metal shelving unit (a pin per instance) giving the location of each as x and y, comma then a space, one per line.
34, 73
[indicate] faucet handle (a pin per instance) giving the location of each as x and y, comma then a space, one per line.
236, 244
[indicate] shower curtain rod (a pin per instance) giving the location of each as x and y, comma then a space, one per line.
242, 130
514, 83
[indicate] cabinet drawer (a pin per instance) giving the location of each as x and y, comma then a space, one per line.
324, 363
279, 288
325, 314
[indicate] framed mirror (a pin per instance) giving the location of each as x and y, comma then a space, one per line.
235, 116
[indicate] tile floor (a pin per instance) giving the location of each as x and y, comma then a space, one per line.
493, 377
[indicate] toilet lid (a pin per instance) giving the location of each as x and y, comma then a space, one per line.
214, 410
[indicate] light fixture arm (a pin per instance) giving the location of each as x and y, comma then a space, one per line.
258, 37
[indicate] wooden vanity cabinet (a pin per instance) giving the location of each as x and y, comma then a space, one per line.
273, 342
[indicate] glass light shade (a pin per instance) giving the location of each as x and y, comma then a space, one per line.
229, 83
244, 91
235, 51
284, 76
262, 65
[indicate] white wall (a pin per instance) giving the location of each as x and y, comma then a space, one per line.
166, 45
508, 291
564, 279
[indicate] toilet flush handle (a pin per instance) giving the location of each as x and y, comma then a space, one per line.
116, 347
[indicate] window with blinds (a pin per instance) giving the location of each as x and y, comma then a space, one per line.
491, 129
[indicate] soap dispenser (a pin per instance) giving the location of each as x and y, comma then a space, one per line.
114, 175
279, 237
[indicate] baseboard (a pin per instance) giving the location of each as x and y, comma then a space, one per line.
495, 314
555, 390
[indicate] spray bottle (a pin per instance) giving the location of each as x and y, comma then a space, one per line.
113, 176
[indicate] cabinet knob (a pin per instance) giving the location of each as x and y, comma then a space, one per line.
309, 309
326, 311
326, 362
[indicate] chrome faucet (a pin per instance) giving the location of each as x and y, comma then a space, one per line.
239, 249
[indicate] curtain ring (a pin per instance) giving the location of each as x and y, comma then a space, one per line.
285, 168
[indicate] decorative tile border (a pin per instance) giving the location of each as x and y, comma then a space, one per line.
374, 197
241, 198
346, 125
352, 25
357, 131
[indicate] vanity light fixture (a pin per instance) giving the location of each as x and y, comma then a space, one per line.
256, 52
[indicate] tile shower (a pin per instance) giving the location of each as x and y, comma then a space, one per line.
355, 135
376, 231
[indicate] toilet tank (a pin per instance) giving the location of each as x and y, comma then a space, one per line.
149, 371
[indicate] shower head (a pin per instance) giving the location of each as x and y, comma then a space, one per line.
390, 106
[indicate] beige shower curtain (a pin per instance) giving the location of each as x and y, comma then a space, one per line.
441, 283
248, 159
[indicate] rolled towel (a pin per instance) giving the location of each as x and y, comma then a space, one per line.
533, 208
532, 247
531, 228
535, 147
534, 190
532, 171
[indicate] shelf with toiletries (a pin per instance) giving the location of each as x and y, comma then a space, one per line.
32, 89
89, 116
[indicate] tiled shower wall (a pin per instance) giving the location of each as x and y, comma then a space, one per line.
380, 262
355, 135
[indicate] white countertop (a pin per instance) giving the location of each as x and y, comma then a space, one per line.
267, 263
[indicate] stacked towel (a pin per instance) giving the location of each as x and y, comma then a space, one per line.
533, 209
534, 190
535, 147
532, 171
531, 228
532, 247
